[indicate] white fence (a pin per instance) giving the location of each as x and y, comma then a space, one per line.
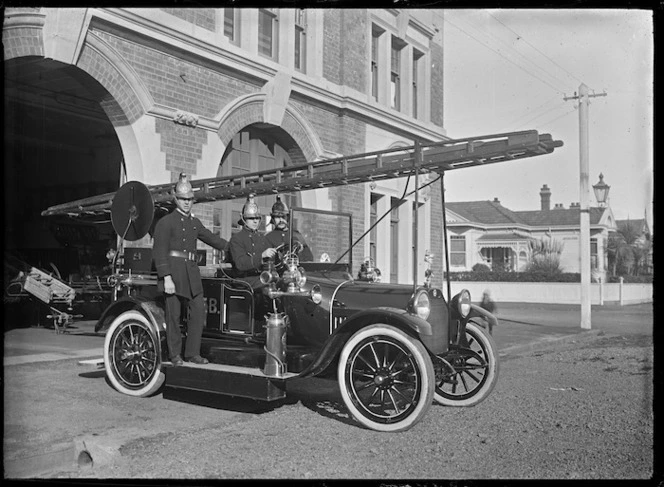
556, 292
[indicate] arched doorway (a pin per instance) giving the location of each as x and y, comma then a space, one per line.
256, 147
59, 146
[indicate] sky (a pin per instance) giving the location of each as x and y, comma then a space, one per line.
509, 70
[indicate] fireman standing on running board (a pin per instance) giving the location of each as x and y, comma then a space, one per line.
178, 275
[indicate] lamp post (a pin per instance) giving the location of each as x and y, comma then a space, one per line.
601, 190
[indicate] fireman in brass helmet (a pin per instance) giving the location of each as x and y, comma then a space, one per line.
282, 233
249, 249
179, 278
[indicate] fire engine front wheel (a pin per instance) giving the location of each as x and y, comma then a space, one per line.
476, 370
131, 355
386, 378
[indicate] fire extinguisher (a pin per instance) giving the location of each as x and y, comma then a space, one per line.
275, 344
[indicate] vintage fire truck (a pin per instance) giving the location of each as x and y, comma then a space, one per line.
394, 349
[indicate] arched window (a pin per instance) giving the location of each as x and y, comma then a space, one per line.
252, 149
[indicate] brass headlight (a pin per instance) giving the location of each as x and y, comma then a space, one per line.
421, 305
316, 294
463, 303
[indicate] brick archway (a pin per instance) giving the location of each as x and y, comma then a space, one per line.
120, 92
250, 109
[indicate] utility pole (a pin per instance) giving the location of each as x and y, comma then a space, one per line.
584, 235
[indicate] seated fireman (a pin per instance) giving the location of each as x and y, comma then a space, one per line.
281, 234
249, 248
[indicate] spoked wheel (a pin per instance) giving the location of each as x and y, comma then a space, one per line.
386, 378
476, 370
132, 355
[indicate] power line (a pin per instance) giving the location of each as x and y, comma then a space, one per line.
520, 37
493, 40
532, 119
493, 50
556, 119
529, 112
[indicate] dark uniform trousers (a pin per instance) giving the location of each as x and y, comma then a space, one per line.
180, 232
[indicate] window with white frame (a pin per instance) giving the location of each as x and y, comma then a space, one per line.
231, 24
268, 32
458, 250
395, 74
394, 240
300, 39
417, 57
375, 42
594, 262
373, 234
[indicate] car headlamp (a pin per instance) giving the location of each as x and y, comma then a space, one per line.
463, 303
422, 305
316, 294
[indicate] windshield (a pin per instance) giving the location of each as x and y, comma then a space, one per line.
327, 233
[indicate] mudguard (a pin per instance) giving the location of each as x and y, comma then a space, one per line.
151, 309
479, 312
399, 318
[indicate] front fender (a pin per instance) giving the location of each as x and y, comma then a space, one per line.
479, 312
153, 311
398, 318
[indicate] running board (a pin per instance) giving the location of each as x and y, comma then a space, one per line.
99, 361
225, 380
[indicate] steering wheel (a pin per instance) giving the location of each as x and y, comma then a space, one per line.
283, 251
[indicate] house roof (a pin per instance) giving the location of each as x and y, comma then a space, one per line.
492, 213
487, 212
559, 217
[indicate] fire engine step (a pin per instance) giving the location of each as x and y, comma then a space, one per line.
226, 380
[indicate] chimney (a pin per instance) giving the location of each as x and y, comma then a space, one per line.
545, 196
496, 200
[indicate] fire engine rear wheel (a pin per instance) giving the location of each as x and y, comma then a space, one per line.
131, 355
477, 373
386, 378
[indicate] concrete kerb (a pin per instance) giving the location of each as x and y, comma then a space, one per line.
547, 342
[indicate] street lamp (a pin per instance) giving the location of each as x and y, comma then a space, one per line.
601, 190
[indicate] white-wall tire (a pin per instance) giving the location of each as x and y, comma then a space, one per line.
474, 382
386, 378
132, 355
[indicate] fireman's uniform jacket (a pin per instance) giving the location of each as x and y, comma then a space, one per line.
246, 251
177, 231
277, 237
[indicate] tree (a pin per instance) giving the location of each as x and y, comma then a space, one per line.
545, 256
626, 252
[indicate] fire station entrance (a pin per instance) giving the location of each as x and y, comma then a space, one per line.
59, 145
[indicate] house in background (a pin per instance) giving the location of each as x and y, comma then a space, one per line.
485, 232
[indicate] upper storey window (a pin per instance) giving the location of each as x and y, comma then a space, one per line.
417, 68
268, 32
300, 39
375, 50
232, 24
395, 74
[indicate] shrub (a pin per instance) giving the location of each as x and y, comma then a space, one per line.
631, 279
516, 276
481, 268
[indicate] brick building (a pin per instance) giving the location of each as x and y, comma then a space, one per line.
99, 96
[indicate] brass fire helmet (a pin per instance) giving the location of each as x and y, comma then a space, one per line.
183, 187
279, 209
250, 208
